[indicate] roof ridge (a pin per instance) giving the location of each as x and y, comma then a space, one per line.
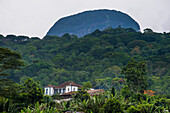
50, 85
66, 84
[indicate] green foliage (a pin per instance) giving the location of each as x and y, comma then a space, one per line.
93, 104
9, 60
8, 106
113, 91
66, 106
47, 98
145, 108
133, 109
134, 73
118, 83
146, 104
30, 92
82, 95
114, 71
96, 56
87, 85
113, 106
105, 103
125, 91
56, 96
58, 60
40, 108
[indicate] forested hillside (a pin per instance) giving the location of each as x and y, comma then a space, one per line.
97, 57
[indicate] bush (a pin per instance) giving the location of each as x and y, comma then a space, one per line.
125, 91
56, 96
47, 98
113, 106
145, 108
82, 95
40, 108
113, 91
138, 98
133, 109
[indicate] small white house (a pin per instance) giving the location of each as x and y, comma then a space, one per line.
61, 89
49, 90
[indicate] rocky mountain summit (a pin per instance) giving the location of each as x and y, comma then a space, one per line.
86, 22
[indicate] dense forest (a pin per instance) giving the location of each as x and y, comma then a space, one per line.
132, 67
97, 57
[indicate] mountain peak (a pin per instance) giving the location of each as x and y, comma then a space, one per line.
87, 22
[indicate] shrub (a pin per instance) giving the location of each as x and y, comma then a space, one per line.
133, 109
40, 108
125, 91
113, 91
82, 95
113, 106
145, 108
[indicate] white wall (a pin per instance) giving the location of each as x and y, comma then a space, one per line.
71, 88
50, 91
67, 89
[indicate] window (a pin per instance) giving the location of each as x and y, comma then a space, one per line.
64, 90
46, 91
56, 91
73, 89
68, 89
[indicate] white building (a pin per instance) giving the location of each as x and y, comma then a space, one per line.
61, 89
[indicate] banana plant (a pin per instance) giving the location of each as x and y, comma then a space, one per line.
6, 105
97, 103
39, 108
83, 106
67, 106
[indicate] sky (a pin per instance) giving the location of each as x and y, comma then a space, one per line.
34, 18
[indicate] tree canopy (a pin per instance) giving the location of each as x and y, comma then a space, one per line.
135, 75
97, 57
9, 60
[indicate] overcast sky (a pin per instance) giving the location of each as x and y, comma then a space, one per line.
35, 17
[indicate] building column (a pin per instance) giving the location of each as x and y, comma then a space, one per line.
62, 90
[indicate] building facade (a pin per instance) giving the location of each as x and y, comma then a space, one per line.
61, 89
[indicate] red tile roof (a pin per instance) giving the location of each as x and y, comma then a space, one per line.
50, 86
95, 92
69, 93
91, 92
67, 84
